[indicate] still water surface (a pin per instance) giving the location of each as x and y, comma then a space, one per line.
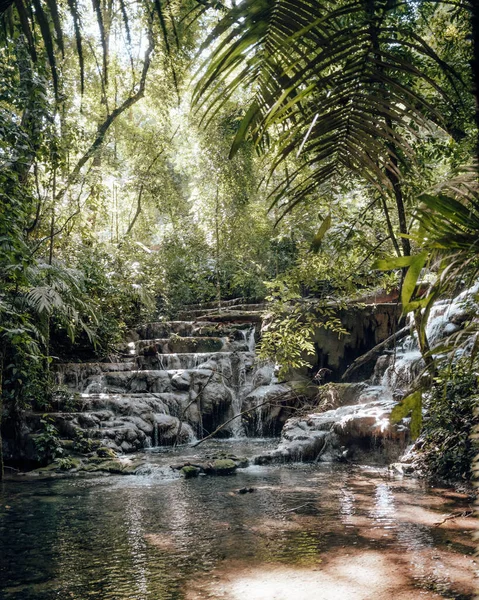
156, 536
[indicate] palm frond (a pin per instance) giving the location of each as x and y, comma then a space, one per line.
344, 86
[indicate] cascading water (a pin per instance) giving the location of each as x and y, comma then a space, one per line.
238, 381
406, 364
154, 392
360, 412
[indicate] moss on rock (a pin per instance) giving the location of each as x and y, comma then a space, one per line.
222, 466
104, 452
189, 471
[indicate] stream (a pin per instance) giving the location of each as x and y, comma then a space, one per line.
305, 532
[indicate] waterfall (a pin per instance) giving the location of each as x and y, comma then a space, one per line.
238, 380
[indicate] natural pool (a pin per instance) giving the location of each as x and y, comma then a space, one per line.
306, 532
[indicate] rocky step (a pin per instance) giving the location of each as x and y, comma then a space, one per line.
155, 371
194, 360
163, 379
83, 432
232, 316
185, 345
73, 374
191, 328
224, 303
234, 312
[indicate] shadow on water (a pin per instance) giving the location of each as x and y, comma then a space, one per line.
159, 537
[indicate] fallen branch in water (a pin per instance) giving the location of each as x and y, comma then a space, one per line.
297, 507
245, 412
464, 514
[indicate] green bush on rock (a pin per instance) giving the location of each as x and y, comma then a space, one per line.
104, 452
448, 449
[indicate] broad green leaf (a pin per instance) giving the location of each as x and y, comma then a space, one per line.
412, 275
389, 264
410, 405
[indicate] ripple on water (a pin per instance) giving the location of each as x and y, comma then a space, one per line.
148, 537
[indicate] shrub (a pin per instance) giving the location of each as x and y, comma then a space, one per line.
448, 448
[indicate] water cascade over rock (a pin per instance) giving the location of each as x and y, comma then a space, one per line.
354, 419
175, 382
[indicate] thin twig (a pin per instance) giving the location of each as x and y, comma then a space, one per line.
245, 412
195, 399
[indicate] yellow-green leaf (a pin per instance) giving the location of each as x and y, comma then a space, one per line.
410, 405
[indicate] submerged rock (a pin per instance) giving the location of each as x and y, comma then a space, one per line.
222, 466
189, 471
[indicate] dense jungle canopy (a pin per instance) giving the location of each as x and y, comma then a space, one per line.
161, 153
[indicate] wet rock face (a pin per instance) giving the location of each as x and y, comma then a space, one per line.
366, 327
352, 420
175, 382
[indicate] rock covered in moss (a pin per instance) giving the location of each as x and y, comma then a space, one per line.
190, 471
221, 466
104, 452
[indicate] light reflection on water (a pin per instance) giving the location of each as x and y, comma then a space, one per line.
146, 537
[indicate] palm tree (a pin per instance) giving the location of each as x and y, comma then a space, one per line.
348, 86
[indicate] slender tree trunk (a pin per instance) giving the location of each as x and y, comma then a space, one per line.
390, 226
475, 65
217, 252
423, 342
2, 355
401, 210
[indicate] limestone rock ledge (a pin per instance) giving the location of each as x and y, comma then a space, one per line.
341, 434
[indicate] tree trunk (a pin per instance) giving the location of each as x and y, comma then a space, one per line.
423, 342
2, 354
475, 65
217, 251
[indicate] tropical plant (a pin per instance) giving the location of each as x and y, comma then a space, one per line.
447, 447
347, 86
48, 440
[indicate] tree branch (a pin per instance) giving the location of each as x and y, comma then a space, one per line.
105, 126
375, 352
245, 412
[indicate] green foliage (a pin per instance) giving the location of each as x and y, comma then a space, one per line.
321, 74
292, 320
66, 463
48, 441
411, 406
448, 238
414, 265
62, 399
82, 442
448, 448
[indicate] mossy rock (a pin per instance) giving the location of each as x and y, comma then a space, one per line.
67, 444
68, 463
95, 460
106, 466
112, 466
240, 461
51, 468
104, 452
188, 471
223, 466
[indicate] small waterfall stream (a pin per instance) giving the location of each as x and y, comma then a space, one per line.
179, 376
357, 416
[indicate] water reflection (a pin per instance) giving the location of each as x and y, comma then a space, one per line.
148, 537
